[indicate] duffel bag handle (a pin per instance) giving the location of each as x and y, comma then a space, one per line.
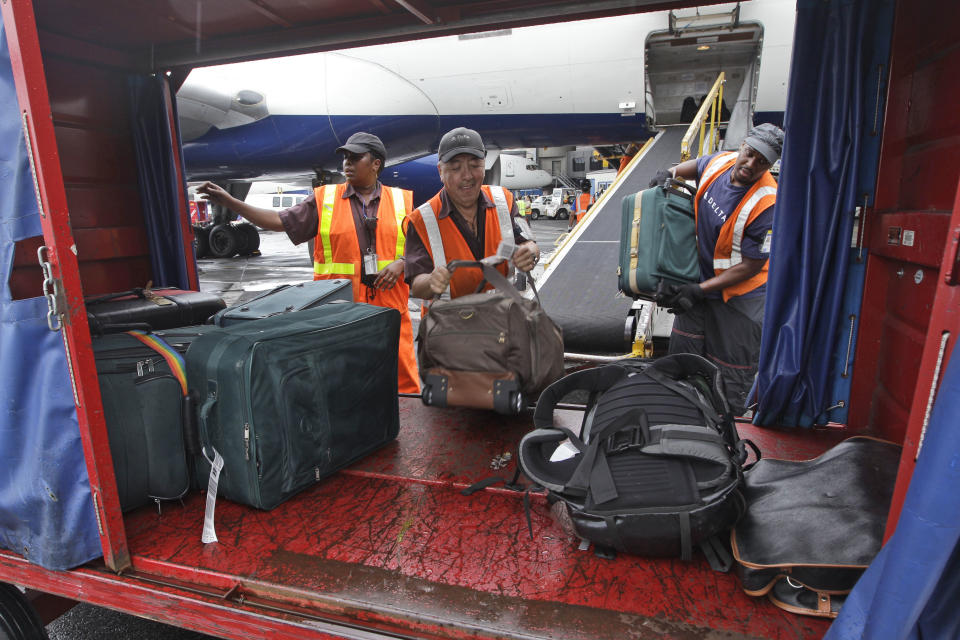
494, 277
597, 379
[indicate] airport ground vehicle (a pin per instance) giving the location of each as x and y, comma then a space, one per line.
553, 205
394, 550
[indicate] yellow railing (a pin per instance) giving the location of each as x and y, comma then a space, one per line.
709, 109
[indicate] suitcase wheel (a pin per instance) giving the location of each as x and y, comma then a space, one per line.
515, 405
426, 394
517, 402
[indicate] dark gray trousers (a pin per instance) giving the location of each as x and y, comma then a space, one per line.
728, 335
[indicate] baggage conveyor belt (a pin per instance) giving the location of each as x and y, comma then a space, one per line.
578, 288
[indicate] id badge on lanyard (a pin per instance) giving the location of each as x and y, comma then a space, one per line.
370, 263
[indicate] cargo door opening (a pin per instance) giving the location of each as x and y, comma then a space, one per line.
683, 62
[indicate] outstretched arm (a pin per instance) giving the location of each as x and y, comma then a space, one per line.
265, 218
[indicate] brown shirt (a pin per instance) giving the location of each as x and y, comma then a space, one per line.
418, 259
301, 221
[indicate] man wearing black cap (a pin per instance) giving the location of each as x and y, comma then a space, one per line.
359, 232
721, 316
466, 220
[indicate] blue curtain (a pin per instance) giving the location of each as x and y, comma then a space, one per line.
912, 588
46, 511
160, 190
829, 160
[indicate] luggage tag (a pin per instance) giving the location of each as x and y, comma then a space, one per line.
525, 229
505, 249
216, 464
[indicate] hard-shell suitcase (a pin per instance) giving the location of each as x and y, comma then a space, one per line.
290, 399
150, 421
157, 308
491, 350
658, 240
286, 298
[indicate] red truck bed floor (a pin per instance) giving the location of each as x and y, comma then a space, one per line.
390, 544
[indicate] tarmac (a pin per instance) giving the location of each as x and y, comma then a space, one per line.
235, 280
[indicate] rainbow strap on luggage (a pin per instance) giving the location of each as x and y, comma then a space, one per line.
173, 358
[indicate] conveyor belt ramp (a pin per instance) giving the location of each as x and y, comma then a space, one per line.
578, 288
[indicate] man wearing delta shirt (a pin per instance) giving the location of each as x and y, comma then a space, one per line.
721, 317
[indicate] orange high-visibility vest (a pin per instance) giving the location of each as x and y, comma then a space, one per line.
762, 194
584, 200
336, 254
454, 247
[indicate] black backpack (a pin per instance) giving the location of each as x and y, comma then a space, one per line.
658, 467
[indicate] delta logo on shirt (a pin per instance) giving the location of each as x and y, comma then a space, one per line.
717, 211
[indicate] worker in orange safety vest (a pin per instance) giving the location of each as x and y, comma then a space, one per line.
584, 202
721, 317
466, 220
359, 233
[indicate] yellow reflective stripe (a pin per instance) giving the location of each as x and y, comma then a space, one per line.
326, 217
383, 263
400, 212
333, 268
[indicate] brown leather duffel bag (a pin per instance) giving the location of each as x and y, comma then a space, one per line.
494, 350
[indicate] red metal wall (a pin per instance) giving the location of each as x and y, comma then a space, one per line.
917, 182
89, 104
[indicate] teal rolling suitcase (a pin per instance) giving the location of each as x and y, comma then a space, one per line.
658, 240
286, 298
288, 400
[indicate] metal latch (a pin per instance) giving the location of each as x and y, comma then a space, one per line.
52, 291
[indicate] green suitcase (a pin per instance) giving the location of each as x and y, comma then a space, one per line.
658, 240
288, 400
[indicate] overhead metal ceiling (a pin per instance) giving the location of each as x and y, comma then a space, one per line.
164, 34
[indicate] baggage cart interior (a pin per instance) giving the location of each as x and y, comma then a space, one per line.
389, 547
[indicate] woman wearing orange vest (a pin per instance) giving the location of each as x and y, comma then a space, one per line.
721, 317
466, 220
359, 233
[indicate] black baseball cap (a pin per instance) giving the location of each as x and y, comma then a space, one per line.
362, 142
767, 139
461, 140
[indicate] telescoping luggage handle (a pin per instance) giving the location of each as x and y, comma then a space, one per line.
494, 277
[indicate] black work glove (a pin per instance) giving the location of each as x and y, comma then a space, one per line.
665, 293
661, 178
686, 297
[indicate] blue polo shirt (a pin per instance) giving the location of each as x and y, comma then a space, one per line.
716, 205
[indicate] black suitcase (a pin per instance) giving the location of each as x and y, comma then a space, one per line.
157, 308
290, 399
285, 299
150, 421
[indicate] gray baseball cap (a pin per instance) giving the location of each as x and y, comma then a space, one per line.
461, 140
767, 139
362, 142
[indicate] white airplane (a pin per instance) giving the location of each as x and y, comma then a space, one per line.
590, 82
